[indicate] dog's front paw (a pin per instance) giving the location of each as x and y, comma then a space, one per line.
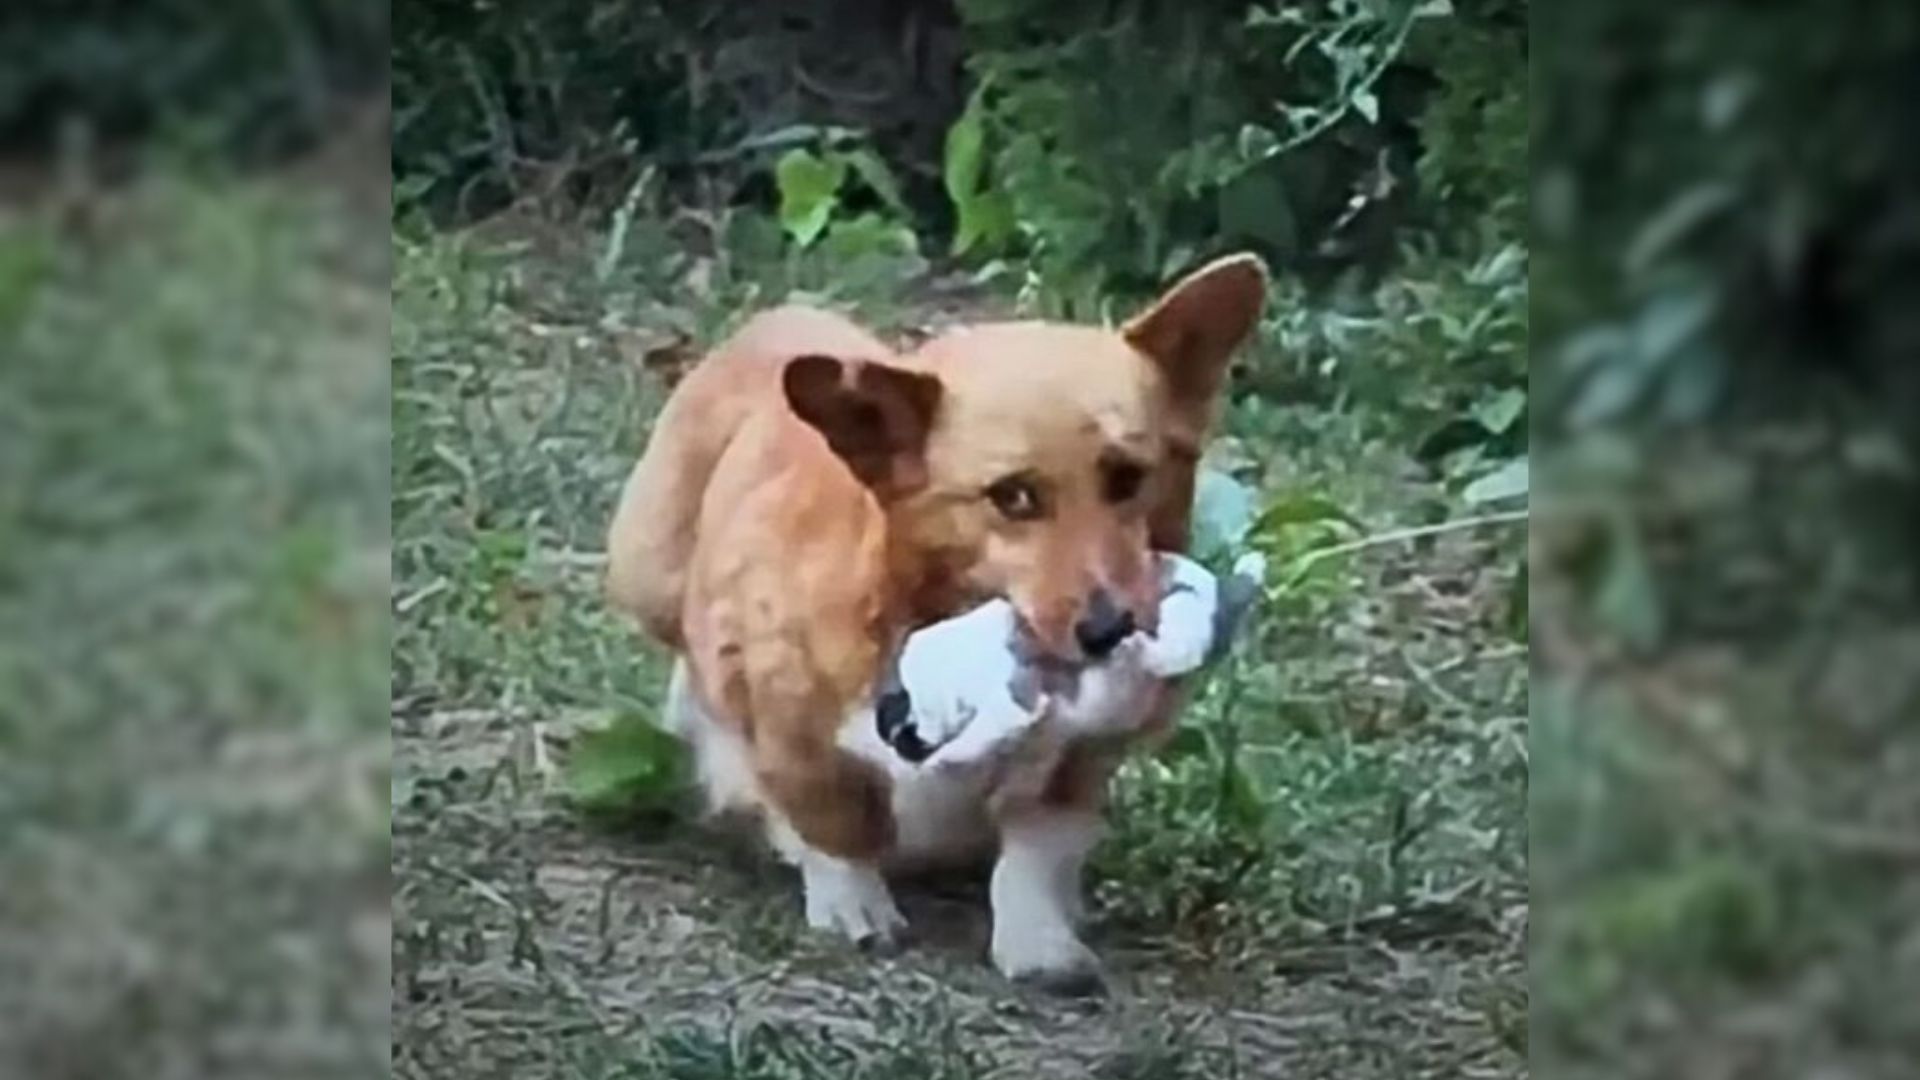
852, 900
1053, 960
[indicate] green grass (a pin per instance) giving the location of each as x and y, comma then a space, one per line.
1333, 849
193, 650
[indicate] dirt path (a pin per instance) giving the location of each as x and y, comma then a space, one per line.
530, 943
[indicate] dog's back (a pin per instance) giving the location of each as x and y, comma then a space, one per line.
655, 529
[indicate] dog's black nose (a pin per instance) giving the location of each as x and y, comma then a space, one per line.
1103, 626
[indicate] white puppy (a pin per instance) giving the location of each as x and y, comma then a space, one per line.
968, 690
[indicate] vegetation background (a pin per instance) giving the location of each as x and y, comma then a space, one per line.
194, 841
1328, 875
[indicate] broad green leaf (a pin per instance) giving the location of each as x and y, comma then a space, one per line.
966, 139
1509, 481
1671, 321
1497, 412
809, 190
867, 235
628, 765
985, 222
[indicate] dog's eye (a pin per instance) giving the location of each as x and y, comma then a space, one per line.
1016, 497
1122, 480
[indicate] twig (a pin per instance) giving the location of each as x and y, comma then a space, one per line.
1400, 536
808, 81
1334, 116
1425, 676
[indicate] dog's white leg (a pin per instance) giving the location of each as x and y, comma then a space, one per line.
1036, 900
843, 896
720, 753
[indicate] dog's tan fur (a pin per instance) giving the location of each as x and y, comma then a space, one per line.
809, 497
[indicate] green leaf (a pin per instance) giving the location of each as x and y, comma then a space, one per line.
1509, 481
966, 140
1497, 412
875, 173
1686, 214
1240, 803
809, 190
1517, 607
986, 223
1367, 105
1303, 509
626, 766
871, 251
983, 219
1256, 143
1628, 601
1671, 321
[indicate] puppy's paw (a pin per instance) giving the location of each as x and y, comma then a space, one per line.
1054, 961
852, 901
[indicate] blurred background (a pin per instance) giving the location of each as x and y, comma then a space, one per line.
1709, 790
194, 262
1726, 648
1325, 874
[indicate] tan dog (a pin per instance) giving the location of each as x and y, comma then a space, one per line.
809, 497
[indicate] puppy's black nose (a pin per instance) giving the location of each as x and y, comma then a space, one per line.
892, 717
1103, 626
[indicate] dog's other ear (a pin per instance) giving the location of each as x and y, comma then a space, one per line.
1192, 330
1190, 334
875, 416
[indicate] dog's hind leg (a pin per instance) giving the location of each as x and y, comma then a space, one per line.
830, 814
721, 756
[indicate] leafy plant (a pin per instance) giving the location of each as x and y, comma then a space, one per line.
629, 766
1287, 126
984, 217
812, 184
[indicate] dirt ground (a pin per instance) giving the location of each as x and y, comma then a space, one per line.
532, 943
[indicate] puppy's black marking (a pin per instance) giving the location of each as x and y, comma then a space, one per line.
893, 716
892, 713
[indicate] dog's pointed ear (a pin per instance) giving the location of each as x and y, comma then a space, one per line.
1193, 329
1189, 334
875, 416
